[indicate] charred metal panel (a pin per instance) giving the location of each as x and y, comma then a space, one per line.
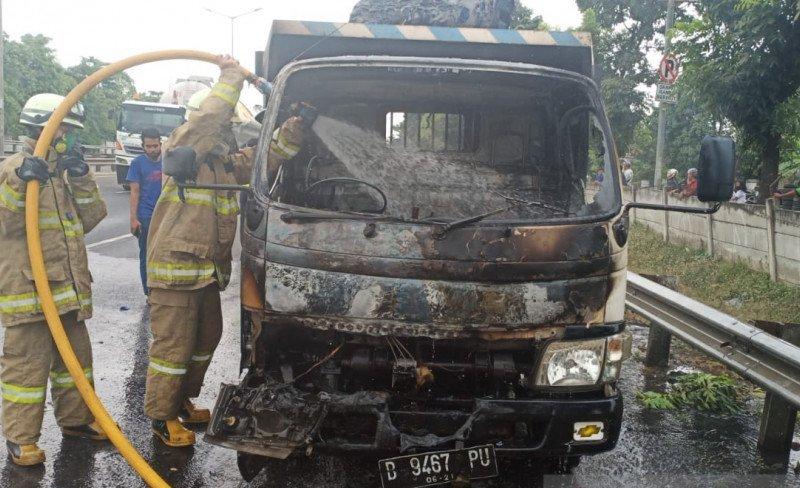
367, 301
497, 254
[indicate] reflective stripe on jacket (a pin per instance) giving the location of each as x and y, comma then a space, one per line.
68, 208
190, 241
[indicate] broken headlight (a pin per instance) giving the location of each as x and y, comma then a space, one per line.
581, 363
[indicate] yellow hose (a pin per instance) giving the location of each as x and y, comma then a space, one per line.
37, 259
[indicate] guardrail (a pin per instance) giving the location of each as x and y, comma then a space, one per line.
766, 360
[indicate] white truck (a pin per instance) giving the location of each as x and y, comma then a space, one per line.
134, 117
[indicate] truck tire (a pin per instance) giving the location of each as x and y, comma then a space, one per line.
250, 465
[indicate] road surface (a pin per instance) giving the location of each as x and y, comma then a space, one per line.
654, 447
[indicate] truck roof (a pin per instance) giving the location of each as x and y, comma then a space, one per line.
291, 40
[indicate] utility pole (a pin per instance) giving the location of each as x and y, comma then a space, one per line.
2, 89
662, 109
233, 18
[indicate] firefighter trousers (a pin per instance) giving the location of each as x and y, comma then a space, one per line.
29, 357
187, 327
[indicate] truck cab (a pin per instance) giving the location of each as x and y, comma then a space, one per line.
427, 276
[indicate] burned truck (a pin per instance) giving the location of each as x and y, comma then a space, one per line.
428, 277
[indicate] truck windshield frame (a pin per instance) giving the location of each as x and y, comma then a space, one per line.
592, 111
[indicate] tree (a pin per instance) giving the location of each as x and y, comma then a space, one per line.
30, 68
523, 18
151, 96
623, 32
102, 103
741, 61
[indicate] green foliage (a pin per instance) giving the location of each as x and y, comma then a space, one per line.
623, 32
523, 18
103, 102
714, 282
740, 59
702, 391
151, 96
655, 401
31, 67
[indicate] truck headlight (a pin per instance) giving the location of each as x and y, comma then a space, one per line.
582, 363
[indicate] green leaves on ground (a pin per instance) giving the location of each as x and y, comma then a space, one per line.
702, 391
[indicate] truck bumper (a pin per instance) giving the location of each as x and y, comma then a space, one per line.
367, 422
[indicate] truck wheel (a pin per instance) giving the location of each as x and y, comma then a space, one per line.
250, 465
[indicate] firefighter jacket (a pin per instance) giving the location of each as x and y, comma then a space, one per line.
190, 241
287, 140
68, 208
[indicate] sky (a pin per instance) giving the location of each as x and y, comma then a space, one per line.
111, 29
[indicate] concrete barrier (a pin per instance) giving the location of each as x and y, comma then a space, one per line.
764, 237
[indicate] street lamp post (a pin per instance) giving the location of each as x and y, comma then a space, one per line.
233, 18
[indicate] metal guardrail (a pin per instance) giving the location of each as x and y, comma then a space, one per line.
764, 359
770, 362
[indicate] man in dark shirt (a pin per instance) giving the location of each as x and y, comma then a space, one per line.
144, 177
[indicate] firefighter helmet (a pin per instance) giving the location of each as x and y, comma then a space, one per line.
39, 108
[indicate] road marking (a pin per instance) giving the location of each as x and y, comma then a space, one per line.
108, 241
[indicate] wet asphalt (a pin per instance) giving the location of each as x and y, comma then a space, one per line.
655, 449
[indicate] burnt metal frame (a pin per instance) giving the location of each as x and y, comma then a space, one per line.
672, 208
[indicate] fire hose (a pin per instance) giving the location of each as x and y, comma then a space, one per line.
45, 294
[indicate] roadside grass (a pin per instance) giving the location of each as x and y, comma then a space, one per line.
731, 287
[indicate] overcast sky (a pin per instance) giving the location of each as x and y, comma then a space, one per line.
112, 29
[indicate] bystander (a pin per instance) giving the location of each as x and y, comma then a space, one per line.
144, 177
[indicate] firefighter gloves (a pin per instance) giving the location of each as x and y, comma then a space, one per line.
180, 163
74, 164
33, 169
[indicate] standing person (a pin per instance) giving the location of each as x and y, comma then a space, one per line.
690, 188
144, 177
69, 205
627, 173
739, 193
673, 185
189, 258
600, 175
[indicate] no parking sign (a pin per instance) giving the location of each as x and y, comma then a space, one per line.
668, 69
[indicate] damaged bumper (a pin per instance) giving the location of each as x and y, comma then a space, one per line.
276, 421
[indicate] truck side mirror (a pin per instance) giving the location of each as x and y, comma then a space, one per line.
716, 170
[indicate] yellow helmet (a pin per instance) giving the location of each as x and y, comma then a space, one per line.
39, 108
240, 115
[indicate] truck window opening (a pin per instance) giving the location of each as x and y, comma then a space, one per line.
447, 146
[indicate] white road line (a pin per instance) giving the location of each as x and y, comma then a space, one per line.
109, 241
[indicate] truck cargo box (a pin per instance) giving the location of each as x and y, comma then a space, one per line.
293, 40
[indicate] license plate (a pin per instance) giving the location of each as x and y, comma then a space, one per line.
435, 468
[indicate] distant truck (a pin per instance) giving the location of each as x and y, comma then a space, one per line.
429, 280
135, 116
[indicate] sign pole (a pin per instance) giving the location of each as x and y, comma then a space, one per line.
662, 109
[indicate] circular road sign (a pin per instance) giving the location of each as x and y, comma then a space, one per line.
668, 69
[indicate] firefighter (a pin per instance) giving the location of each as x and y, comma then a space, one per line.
189, 258
287, 140
69, 206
